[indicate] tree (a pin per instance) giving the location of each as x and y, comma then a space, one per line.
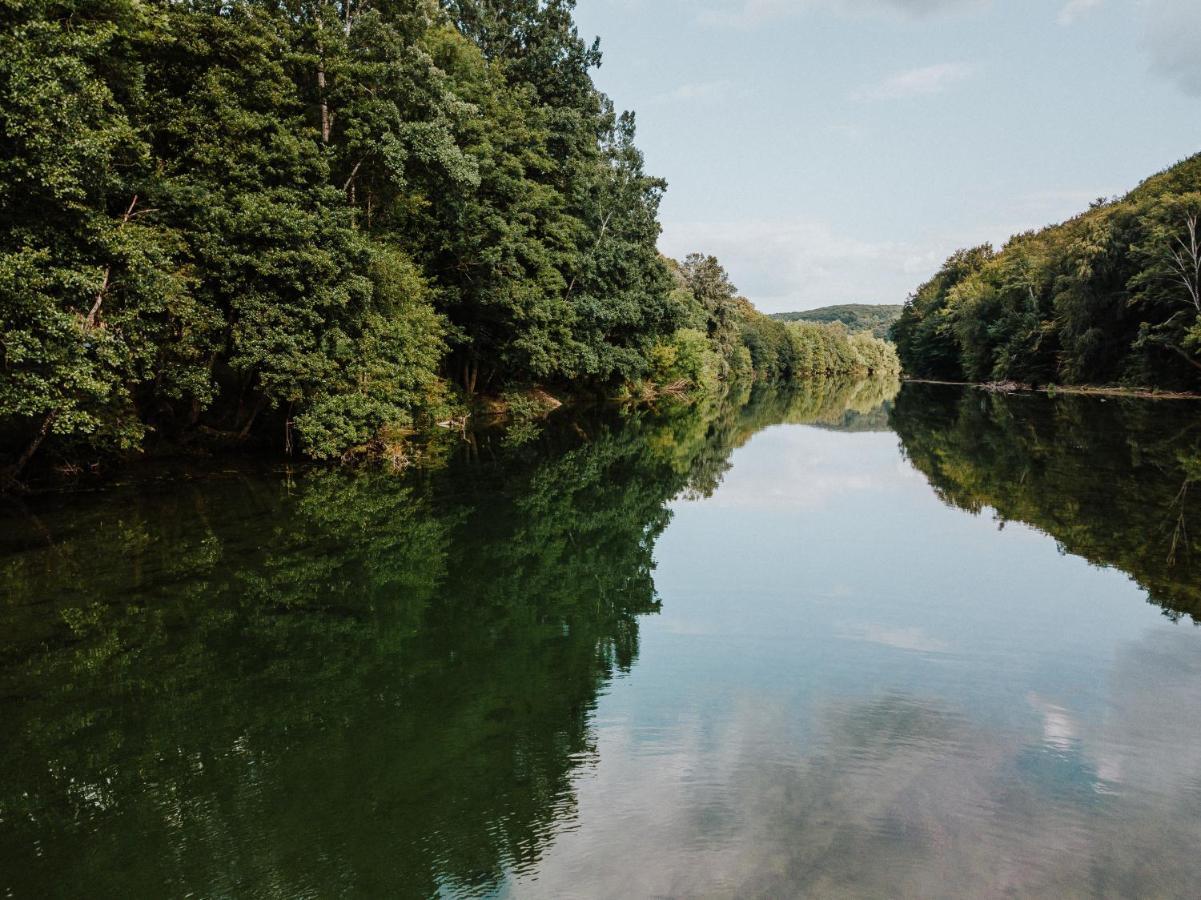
1168, 286
1111, 296
925, 333
92, 290
716, 297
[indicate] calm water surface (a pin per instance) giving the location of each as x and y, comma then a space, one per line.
818, 643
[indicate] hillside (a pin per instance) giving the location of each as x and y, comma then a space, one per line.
1111, 297
877, 319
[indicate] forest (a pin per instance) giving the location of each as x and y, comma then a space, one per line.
1111, 297
321, 225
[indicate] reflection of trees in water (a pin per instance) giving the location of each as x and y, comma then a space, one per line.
1117, 482
253, 683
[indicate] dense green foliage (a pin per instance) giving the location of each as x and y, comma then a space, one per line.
316, 222
878, 319
1117, 482
1110, 297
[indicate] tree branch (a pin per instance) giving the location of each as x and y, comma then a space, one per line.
93, 314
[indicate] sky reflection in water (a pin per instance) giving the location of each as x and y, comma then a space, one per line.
855, 690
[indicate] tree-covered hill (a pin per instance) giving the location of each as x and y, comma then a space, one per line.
877, 319
320, 224
1112, 296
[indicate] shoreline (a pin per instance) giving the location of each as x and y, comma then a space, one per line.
1009, 387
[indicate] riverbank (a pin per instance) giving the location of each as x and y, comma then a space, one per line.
1013, 387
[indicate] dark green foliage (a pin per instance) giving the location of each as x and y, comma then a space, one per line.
297, 222
878, 319
301, 223
93, 301
1111, 297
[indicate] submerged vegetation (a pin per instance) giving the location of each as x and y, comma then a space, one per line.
1112, 297
322, 224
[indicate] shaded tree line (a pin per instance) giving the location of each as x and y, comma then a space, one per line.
315, 223
1111, 297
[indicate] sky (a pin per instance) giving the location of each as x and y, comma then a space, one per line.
837, 151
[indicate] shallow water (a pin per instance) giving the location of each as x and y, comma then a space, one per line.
818, 643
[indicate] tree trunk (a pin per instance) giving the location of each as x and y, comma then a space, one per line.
94, 314
325, 125
15, 470
325, 114
254, 414
1184, 355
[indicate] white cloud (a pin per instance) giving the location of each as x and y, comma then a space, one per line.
696, 91
916, 82
789, 264
808, 470
799, 785
1171, 37
785, 265
1073, 10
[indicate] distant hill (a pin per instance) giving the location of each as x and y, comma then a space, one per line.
856, 316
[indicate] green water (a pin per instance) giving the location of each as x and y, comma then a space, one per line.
813, 643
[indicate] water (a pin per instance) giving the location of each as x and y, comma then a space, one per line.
817, 643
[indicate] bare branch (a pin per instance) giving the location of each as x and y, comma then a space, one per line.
94, 313
353, 173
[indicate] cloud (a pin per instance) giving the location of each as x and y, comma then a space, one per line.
916, 82
1073, 10
795, 263
787, 264
892, 793
696, 91
1171, 37
751, 13
811, 469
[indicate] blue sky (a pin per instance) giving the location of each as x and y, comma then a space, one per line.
836, 151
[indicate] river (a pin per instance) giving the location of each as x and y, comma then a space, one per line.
833, 641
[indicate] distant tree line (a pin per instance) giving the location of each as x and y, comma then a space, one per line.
876, 318
1110, 297
723, 336
316, 222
